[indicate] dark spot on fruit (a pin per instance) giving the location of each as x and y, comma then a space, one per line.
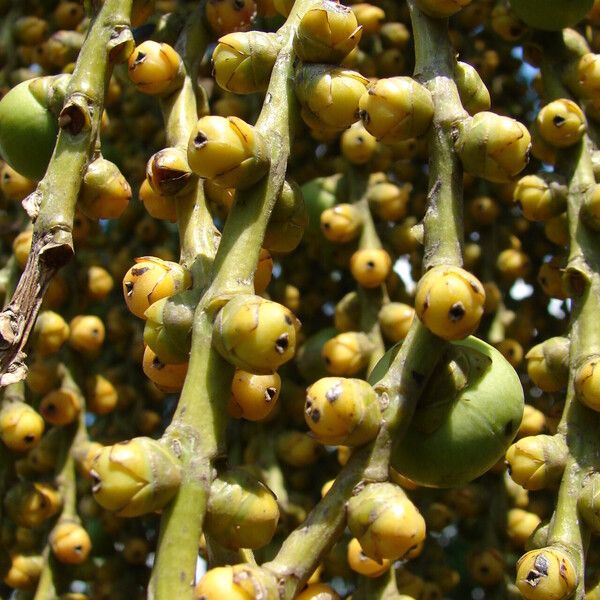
139, 59
270, 393
157, 363
558, 121
370, 264
29, 438
457, 311
315, 415
139, 271
129, 288
282, 343
509, 428
238, 5
288, 319
200, 140
96, 482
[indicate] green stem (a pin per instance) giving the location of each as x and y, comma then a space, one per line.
378, 588
579, 425
434, 67
197, 436
370, 300
199, 237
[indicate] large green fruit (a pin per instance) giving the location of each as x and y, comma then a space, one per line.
468, 415
28, 131
551, 15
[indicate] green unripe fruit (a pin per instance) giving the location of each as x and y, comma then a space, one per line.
551, 15
469, 413
28, 130
242, 511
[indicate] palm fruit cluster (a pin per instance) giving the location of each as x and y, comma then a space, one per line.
319, 284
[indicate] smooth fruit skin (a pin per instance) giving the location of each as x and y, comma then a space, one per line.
450, 444
551, 15
28, 132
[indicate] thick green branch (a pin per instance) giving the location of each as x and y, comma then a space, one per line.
434, 67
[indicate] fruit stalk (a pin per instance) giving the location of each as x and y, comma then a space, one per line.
434, 67
180, 113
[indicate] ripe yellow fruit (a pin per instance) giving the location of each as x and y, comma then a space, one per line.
449, 302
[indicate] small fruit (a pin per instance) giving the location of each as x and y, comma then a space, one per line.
150, 280
395, 109
561, 123
255, 334
154, 68
87, 333
253, 397
135, 477
242, 511
243, 61
229, 151
450, 302
546, 574
21, 427
342, 411
347, 353
385, 522
362, 564
493, 147
327, 33
70, 542
537, 462
61, 407
370, 266
341, 223
587, 383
